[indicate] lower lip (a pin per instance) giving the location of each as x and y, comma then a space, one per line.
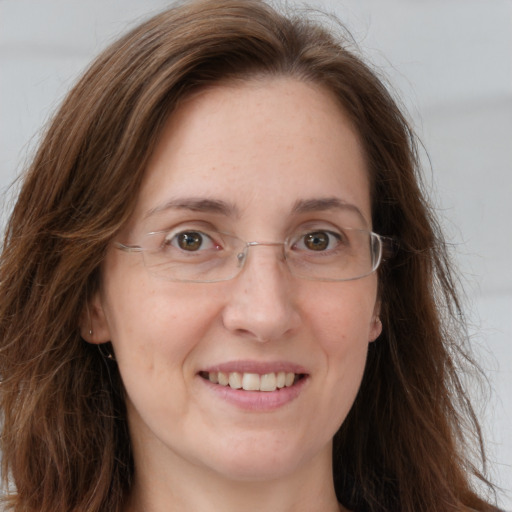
257, 400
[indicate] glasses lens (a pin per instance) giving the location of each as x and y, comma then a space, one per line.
341, 256
193, 255
209, 256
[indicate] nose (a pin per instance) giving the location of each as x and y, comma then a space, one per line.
261, 304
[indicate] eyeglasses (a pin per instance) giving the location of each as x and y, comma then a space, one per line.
207, 256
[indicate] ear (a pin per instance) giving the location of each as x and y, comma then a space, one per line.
376, 324
93, 322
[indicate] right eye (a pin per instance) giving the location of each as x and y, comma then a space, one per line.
318, 241
190, 241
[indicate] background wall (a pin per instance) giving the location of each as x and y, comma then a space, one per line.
451, 62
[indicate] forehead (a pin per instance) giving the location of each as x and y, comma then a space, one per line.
261, 146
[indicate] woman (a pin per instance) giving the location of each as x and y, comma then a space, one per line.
221, 286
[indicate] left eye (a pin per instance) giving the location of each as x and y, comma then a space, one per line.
318, 241
191, 241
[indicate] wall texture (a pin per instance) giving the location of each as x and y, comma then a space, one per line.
449, 60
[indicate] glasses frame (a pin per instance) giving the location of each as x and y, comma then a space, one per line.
387, 248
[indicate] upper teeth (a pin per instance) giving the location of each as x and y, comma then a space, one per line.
253, 381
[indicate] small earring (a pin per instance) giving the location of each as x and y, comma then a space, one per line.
89, 319
105, 350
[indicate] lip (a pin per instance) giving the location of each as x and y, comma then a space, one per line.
260, 367
256, 401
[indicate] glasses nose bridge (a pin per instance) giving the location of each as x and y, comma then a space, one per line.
252, 244
242, 255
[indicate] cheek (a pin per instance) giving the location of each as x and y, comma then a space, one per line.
154, 323
345, 347
342, 325
345, 315
155, 338
345, 351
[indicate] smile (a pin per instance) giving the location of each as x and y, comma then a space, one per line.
253, 381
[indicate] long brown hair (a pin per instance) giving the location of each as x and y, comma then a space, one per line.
404, 445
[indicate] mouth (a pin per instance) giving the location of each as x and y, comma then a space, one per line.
266, 382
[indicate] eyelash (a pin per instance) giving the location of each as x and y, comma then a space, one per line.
169, 240
297, 242
333, 238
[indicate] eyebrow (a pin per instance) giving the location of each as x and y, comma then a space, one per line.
196, 205
325, 203
230, 210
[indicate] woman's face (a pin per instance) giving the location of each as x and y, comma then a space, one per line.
259, 160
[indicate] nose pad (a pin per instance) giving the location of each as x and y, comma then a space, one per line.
242, 256
261, 305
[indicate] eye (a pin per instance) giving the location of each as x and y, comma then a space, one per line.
318, 241
191, 241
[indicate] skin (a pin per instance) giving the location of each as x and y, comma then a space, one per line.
260, 147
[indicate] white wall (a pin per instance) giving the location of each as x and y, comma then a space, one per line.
450, 59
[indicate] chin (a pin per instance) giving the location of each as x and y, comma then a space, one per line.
264, 459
